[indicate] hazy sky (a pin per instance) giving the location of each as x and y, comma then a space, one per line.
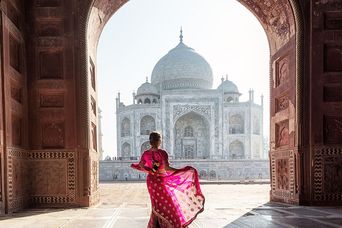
224, 32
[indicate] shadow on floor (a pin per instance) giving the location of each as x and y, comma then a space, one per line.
282, 215
34, 212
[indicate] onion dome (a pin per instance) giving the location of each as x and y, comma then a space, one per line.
228, 87
182, 68
147, 89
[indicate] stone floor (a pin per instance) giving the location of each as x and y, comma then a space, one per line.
227, 205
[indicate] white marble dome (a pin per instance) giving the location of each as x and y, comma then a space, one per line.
228, 87
147, 89
182, 68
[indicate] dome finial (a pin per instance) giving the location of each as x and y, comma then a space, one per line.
146, 79
181, 35
222, 79
226, 76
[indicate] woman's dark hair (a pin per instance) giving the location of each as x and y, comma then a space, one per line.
155, 137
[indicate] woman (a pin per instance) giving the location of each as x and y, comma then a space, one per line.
175, 194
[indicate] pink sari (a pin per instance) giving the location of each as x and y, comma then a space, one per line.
176, 196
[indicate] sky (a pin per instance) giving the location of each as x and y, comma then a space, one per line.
224, 32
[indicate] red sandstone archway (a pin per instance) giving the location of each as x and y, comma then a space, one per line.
48, 152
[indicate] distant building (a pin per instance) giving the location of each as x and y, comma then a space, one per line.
195, 120
210, 129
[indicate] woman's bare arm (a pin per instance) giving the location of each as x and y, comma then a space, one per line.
169, 168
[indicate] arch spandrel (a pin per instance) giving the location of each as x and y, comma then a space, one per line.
276, 17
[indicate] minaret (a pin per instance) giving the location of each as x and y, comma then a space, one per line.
99, 133
249, 124
222, 116
117, 126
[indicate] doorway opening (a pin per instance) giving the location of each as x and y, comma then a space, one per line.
282, 27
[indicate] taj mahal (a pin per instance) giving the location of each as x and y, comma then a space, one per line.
208, 127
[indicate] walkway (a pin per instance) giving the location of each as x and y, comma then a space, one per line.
126, 205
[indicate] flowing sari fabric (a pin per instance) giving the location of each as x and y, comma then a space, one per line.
176, 196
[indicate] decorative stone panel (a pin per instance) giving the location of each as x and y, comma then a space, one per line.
48, 28
53, 177
17, 130
16, 93
327, 174
15, 54
51, 65
93, 105
276, 17
332, 58
92, 74
53, 134
282, 71
333, 20
94, 136
282, 103
50, 42
47, 3
180, 110
52, 100
332, 93
13, 14
18, 183
333, 129
49, 177
283, 179
282, 133
94, 175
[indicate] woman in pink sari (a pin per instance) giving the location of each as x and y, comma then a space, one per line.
175, 194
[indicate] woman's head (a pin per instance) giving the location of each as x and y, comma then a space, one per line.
155, 139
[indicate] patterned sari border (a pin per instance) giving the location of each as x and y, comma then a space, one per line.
200, 211
162, 218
